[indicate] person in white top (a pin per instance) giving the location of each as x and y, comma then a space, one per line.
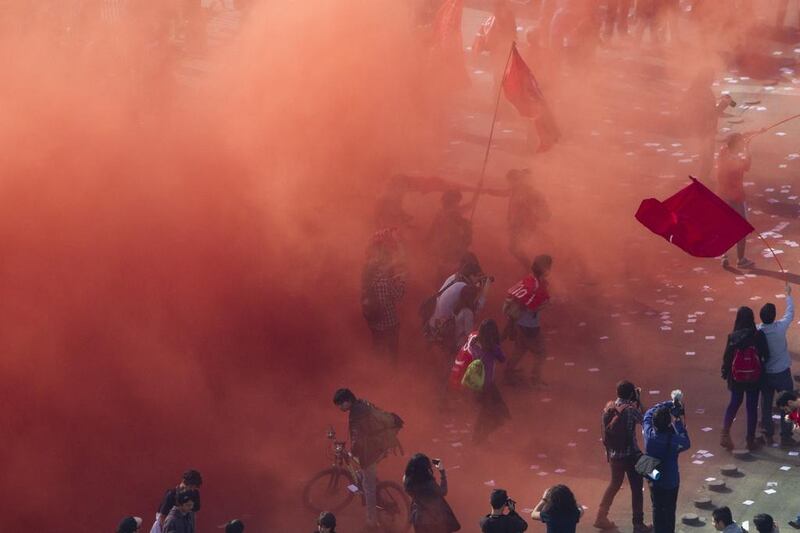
777, 370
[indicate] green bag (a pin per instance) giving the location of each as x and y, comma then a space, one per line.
475, 376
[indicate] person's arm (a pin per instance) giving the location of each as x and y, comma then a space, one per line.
788, 315
536, 514
499, 355
681, 437
727, 361
518, 523
442, 480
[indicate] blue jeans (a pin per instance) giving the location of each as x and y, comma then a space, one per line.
752, 411
773, 383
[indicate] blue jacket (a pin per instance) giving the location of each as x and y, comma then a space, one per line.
655, 445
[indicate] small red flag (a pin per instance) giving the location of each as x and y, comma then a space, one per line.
522, 90
696, 220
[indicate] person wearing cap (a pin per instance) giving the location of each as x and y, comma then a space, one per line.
234, 526
180, 519
499, 521
526, 209
129, 524
191, 481
326, 523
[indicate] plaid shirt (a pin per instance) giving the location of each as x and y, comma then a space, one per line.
388, 290
631, 415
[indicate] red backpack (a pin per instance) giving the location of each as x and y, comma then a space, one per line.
746, 367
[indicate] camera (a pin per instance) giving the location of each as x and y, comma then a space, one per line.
436, 462
677, 403
511, 504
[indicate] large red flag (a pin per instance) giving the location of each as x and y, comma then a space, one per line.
696, 220
522, 90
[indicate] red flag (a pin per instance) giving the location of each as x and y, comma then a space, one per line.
696, 220
522, 90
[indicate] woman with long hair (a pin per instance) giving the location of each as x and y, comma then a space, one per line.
430, 512
558, 509
744, 357
493, 411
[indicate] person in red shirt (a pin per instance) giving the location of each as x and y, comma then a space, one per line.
733, 161
789, 401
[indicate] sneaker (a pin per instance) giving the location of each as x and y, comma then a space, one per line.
604, 523
745, 263
642, 528
725, 262
795, 523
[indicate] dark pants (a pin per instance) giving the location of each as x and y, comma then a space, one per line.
386, 342
752, 411
492, 412
664, 503
527, 340
773, 383
619, 469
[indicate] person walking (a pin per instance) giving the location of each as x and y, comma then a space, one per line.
373, 433
619, 421
558, 510
382, 288
777, 371
492, 411
430, 512
746, 354
733, 161
498, 521
665, 437
523, 303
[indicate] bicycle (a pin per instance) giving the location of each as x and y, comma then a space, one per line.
335, 487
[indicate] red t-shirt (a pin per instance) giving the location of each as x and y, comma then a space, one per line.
731, 167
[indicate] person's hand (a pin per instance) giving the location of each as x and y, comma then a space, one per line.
439, 466
511, 505
545, 493
788, 289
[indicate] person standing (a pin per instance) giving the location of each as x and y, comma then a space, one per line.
498, 521
523, 303
326, 523
733, 161
665, 437
746, 354
558, 510
191, 481
702, 111
450, 234
619, 421
382, 288
430, 512
179, 519
373, 433
527, 208
493, 411
777, 371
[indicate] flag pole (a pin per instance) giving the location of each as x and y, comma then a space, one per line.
491, 133
773, 252
764, 130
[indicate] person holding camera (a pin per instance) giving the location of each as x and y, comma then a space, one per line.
430, 512
558, 510
665, 437
619, 421
498, 521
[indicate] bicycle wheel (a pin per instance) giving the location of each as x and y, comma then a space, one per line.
327, 490
394, 507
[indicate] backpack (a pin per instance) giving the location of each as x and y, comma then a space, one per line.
512, 308
385, 427
746, 367
615, 430
475, 376
428, 306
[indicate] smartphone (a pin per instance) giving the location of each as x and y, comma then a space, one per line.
436, 462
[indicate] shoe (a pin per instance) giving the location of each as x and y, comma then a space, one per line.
753, 444
725, 262
789, 442
745, 263
725, 440
795, 523
642, 528
604, 523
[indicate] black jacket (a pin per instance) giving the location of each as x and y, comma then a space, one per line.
178, 523
740, 339
429, 509
504, 523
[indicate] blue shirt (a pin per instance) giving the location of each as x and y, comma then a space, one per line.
665, 446
779, 359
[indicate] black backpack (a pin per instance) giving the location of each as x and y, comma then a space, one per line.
615, 429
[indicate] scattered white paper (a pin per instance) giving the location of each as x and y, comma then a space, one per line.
710, 337
770, 491
698, 462
489, 483
654, 392
559, 470
794, 454
748, 502
690, 353
706, 429
352, 488
786, 468
456, 445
